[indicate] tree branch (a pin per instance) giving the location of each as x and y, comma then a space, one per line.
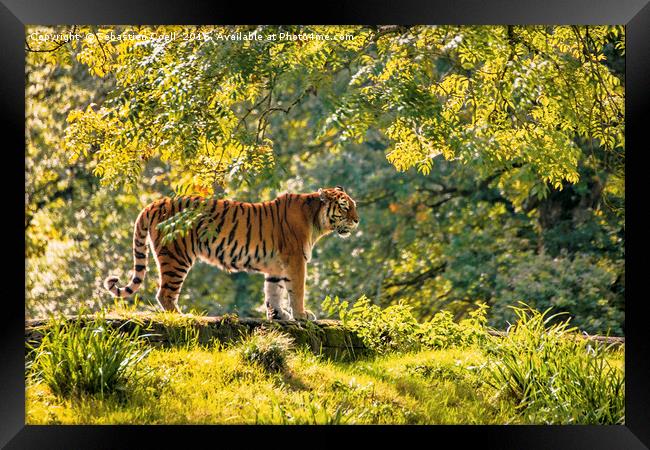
58, 44
418, 279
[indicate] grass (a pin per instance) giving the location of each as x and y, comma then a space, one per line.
216, 386
93, 359
539, 373
555, 376
266, 348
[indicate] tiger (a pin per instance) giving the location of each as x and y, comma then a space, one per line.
275, 238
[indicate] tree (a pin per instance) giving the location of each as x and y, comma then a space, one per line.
490, 96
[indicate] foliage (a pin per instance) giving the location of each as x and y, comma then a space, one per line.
381, 330
487, 162
442, 332
553, 375
482, 123
493, 95
267, 348
395, 329
579, 285
76, 358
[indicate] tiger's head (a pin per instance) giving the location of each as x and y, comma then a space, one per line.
339, 211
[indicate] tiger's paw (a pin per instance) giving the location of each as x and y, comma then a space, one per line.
306, 315
278, 314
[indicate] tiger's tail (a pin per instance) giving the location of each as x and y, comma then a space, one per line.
140, 257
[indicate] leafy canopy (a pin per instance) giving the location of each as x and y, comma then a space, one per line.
490, 96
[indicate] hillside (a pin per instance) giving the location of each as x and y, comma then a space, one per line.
267, 377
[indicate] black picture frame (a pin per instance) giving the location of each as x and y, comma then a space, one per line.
15, 14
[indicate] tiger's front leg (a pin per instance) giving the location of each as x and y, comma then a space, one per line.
273, 294
295, 282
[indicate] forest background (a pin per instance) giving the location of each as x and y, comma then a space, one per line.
487, 162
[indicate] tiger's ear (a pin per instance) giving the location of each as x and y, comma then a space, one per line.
340, 188
322, 195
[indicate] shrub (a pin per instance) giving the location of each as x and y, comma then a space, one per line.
381, 330
395, 329
266, 348
475, 326
77, 357
442, 332
580, 285
553, 375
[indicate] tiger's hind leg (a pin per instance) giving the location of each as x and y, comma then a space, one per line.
173, 272
168, 299
274, 291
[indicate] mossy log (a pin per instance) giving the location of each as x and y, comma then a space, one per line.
325, 337
616, 341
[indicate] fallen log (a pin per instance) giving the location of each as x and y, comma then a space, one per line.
614, 340
325, 337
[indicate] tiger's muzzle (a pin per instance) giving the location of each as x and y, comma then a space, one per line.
345, 229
